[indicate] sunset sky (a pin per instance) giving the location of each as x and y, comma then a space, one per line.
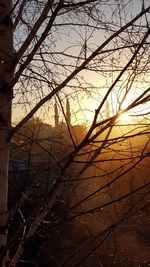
94, 81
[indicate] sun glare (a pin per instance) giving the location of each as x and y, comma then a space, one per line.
124, 117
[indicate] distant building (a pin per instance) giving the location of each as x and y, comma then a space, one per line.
107, 111
39, 143
68, 113
17, 165
56, 116
67, 116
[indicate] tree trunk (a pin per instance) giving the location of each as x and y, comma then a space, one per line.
6, 57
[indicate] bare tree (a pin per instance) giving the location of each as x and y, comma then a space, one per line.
94, 51
6, 75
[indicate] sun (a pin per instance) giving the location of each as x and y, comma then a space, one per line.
124, 117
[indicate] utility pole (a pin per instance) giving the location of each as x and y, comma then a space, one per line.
6, 75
